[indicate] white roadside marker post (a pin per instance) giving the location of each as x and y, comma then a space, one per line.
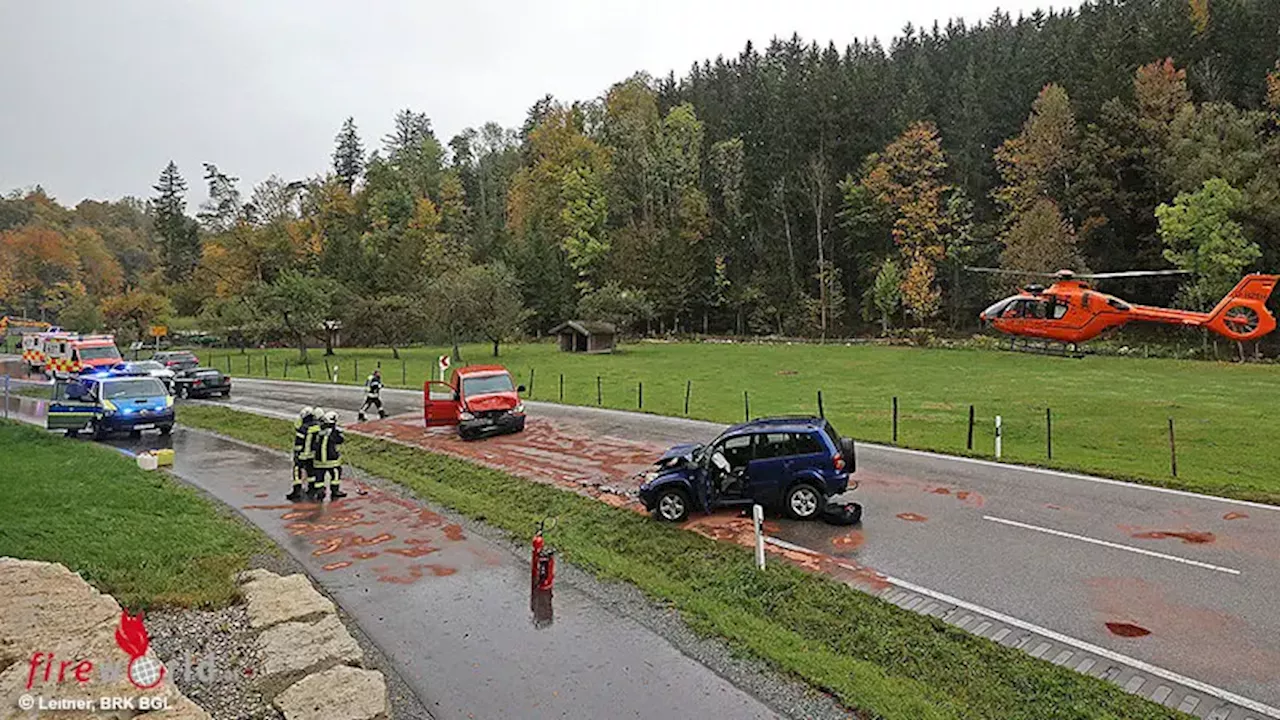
997, 437
757, 516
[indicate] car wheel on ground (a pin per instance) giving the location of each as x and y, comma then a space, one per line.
73, 433
99, 431
842, 513
803, 502
672, 505
166, 429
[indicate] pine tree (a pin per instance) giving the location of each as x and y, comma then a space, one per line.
348, 157
179, 242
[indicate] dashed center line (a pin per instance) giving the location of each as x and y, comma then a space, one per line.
1117, 546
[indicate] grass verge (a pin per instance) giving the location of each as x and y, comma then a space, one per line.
142, 537
873, 656
1108, 415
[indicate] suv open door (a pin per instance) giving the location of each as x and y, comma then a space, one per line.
440, 404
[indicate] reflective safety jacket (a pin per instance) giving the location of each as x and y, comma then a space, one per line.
303, 434
325, 447
372, 386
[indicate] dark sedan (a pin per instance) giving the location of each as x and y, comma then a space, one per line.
202, 383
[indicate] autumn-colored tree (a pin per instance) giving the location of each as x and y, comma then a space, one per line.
1040, 240
1037, 166
42, 265
555, 212
136, 310
908, 178
1199, 15
101, 271
1038, 162
1160, 90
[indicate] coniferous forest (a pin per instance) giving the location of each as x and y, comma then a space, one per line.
794, 189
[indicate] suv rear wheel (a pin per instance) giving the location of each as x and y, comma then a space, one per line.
803, 502
673, 505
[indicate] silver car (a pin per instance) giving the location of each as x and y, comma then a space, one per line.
150, 368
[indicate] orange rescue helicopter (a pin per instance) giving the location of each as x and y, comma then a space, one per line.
1070, 311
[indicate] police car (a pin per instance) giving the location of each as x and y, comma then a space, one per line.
105, 402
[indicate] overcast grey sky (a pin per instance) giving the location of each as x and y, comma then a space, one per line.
97, 96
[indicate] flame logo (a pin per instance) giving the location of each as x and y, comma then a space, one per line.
144, 672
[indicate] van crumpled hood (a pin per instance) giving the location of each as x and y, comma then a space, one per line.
491, 402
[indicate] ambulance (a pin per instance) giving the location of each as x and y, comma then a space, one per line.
33, 347
69, 355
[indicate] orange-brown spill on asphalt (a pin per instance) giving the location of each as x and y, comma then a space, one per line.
1187, 536
376, 525
912, 517
1128, 630
849, 541
1234, 516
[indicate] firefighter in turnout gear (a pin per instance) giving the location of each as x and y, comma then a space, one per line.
328, 458
306, 426
372, 395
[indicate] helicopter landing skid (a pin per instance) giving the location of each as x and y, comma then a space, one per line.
1046, 347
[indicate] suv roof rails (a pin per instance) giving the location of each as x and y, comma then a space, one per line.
783, 419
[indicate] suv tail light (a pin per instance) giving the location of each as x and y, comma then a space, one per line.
839, 461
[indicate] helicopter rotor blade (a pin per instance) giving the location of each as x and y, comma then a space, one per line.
1134, 273
1001, 271
1081, 276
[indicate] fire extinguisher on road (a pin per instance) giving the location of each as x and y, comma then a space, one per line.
544, 558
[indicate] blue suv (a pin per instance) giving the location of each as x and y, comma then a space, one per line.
102, 403
794, 463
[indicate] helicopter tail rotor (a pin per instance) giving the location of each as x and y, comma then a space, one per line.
1243, 315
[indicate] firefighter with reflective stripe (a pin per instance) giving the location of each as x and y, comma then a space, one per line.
372, 396
328, 458
303, 429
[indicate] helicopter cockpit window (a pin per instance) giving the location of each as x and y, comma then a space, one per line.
997, 309
1038, 309
1059, 310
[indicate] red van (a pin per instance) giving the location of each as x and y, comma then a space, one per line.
479, 399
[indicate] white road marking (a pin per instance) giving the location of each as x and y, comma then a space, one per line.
1168, 675
1117, 546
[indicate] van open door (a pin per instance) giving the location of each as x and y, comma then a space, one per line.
439, 404
71, 408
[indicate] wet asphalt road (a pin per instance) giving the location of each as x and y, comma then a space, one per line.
1080, 556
